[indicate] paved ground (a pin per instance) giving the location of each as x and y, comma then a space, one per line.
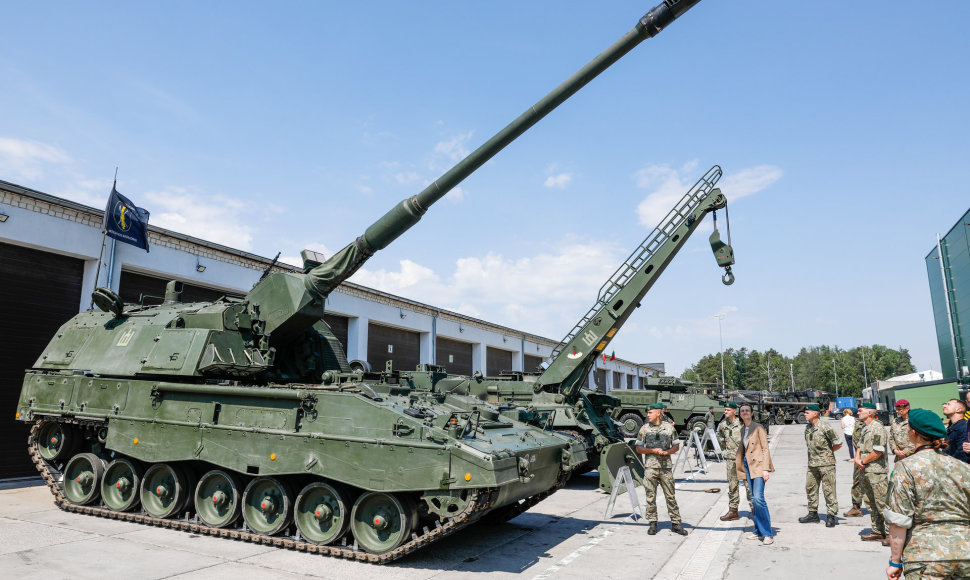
564, 537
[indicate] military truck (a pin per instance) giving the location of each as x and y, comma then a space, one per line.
789, 407
241, 418
686, 402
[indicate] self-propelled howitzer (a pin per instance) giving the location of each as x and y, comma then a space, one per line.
241, 418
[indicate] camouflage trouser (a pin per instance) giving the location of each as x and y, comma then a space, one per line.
875, 487
734, 497
856, 486
665, 478
824, 476
936, 570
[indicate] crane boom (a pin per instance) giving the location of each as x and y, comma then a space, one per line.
575, 355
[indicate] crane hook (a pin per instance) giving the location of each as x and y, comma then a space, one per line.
728, 277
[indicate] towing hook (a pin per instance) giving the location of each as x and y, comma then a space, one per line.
728, 277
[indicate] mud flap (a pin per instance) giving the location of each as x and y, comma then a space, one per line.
615, 456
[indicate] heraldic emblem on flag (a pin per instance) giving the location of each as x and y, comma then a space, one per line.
124, 221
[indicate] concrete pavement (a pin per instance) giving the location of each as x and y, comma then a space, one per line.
564, 537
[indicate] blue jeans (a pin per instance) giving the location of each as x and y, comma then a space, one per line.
762, 519
848, 441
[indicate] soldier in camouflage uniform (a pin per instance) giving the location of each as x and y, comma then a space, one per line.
857, 436
899, 441
661, 440
871, 459
928, 509
822, 442
729, 437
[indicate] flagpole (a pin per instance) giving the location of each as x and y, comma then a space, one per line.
104, 237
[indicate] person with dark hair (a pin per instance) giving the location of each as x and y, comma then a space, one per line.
753, 463
956, 432
928, 507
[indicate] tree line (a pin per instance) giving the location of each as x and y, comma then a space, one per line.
813, 368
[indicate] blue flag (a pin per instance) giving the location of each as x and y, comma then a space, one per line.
125, 222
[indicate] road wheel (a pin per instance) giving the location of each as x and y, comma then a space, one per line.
321, 513
218, 498
165, 490
82, 478
120, 485
630, 424
381, 521
55, 441
800, 419
267, 505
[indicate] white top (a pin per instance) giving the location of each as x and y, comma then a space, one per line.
848, 425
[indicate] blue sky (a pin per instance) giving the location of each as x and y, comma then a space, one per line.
841, 128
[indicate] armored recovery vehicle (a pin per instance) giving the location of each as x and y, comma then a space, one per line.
556, 396
241, 417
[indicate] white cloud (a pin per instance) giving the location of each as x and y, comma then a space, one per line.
217, 219
26, 159
545, 292
749, 181
454, 149
410, 275
315, 246
669, 185
456, 195
558, 181
406, 177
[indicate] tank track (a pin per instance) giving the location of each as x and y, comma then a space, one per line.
478, 506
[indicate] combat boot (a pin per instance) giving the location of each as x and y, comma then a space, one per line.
731, 515
811, 518
652, 530
831, 521
678, 529
856, 511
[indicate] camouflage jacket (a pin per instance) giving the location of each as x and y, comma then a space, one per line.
874, 439
899, 437
729, 436
929, 495
819, 439
665, 431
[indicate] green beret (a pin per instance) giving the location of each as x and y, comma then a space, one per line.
868, 405
927, 423
656, 406
731, 405
814, 407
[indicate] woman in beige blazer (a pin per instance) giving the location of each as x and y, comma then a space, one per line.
753, 463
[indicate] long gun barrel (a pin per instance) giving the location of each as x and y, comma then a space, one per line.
323, 279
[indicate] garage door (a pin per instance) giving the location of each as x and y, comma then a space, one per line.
134, 285
617, 380
532, 363
454, 355
385, 343
39, 292
338, 325
497, 361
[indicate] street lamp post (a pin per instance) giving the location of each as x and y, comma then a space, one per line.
836, 375
720, 336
